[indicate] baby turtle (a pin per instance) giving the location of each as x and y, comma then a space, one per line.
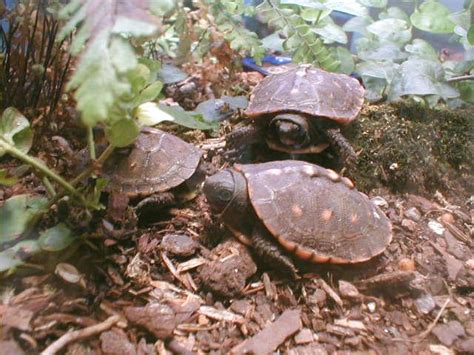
152, 168
313, 213
301, 111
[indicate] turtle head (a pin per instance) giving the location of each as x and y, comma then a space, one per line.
226, 192
290, 130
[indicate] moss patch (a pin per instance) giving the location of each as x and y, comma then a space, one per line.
410, 148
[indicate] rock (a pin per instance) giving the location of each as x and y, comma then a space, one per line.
241, 307
269, 338
227, 274
115, 341
453, 266
313, 349
447, 218
179, 244
159, 319
379, 201
305, 336
371, 306
413, 214
425, 304
449, 332
467, 345
436, 227
348, 290
455, 247
409, 224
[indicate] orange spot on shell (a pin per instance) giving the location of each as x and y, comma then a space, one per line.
348, 182
304, 253
297, 211
326, 215
333, 175
354, 218
319, 259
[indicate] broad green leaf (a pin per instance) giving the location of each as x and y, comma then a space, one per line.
421, 77
383, 70
421, 49
150, 114
133, 27
470, 35
374, 3
304, 3
17, 254
313, 14
344, 56
149, 93
433, 17
351, 7
56, 238
170, 74
16, 213
188, 119
374, 88
122, 132
162, 7
374, 50
330, 33
466, 89
122, 55
391, 30
357, 24
7, 180
219, 109
15, 130
273, 42
394, 12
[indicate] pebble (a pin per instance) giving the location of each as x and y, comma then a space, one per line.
436, 227
413, 214
407, 264
179, 244
449, 332
379, 201
347, 290
425, 304
447, 218
409, 224
305, 336
371, 307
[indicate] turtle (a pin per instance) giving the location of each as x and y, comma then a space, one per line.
301, 110
153, 169
295, 208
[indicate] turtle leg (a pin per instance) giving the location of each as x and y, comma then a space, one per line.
266, 248
155, 202
240, 140
345, 149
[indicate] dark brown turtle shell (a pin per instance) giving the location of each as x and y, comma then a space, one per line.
308, 90
158, 161
315, 213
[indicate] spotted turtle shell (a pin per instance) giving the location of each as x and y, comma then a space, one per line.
308, 90
158, 161
315, 213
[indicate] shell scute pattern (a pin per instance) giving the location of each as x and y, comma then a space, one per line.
308, 90
158, 161
314, 215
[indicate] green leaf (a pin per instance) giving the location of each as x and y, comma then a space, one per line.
133, 27
304, 3
421, 49
7, 180
16, 213
313, 14
170, 74
149, 93
122, 55
56, 238
357, 24
220, 109
162, 7
383, 70
466, 89
122, 132
331, 33
421, 77
15, 130
188, 119
273, 42
391, 30
374, 3
344, 56
433, 17
394, 12
374, 50
470, 35
16, 255
351, 7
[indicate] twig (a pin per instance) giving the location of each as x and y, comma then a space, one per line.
70, 337
460, 78
428, 330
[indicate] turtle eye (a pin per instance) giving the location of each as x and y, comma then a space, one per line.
225, 195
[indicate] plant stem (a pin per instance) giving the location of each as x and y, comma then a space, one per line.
49, 186
41, 167
460, 78
90, 143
